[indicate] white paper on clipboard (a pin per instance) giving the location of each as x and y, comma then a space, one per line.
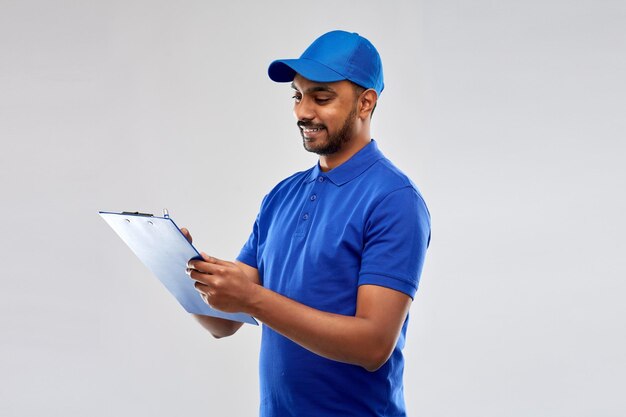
163, 248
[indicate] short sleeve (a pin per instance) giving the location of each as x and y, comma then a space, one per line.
397, 234
248, 254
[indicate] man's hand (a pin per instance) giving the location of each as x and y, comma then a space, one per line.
223, 285
216, 326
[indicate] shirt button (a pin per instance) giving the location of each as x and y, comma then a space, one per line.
313, 197
305, 216
321, 179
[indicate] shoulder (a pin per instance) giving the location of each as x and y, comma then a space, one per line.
394, 198
385, 178
391, 175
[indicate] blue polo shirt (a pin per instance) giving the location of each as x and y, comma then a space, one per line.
317, 238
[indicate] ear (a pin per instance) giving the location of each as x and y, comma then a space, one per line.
367, 102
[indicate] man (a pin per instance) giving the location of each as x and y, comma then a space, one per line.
335, 254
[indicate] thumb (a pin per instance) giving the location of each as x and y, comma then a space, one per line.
187, 235
212, 260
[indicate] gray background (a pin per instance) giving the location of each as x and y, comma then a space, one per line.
508, 115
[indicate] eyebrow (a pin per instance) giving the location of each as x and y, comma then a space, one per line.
317, 88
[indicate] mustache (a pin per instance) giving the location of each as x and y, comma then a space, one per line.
302, 124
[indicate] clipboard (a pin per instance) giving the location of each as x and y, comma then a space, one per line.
163, 248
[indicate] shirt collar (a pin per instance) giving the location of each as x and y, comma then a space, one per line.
352, 168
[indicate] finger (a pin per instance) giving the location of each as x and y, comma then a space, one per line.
191, 264
208, 258
187, 235
201, 278
208, 268
205, 299
195, 263
201, 288
191, 267
213, 260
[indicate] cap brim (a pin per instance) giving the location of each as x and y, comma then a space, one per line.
284, 70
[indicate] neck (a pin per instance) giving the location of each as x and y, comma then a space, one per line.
328, 162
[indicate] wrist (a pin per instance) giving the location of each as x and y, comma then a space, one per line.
255, 299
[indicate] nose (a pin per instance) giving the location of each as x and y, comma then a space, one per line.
303, 110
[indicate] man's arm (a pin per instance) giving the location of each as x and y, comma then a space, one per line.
366, 339
216, 326
221, 327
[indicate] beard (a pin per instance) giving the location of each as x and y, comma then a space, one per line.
336, 141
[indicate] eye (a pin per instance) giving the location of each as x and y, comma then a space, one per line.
297, 97
322, 101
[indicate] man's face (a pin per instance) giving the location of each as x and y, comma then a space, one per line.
326, 114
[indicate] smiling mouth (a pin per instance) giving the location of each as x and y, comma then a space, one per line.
310, 133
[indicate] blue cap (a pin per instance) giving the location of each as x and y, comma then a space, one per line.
334, 56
